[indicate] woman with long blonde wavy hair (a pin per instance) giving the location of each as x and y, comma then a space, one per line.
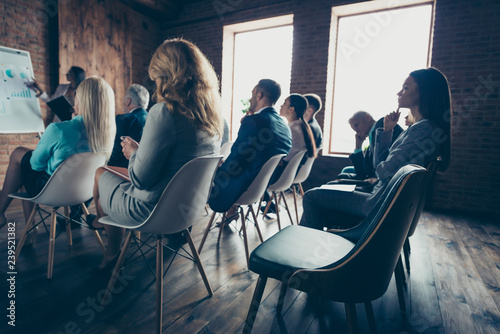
185, 123
92, 129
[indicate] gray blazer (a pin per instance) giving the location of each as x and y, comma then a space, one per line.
419, 145
168, 142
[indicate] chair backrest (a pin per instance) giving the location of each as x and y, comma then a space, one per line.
432, 168
365, 272
72, 182
304, 171
226, 149
286, 179
259, 184
184, 198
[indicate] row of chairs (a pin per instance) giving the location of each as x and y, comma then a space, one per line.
71, 184
354, 268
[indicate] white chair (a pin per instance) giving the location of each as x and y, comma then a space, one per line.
226, 149
248, 198
301, 176
283, 183
71, 184
179, 207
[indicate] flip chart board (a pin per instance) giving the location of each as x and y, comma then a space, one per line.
19, 107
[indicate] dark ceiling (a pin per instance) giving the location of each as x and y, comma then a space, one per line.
161, 10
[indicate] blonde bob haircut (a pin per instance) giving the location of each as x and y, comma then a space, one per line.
186, 82
96, 105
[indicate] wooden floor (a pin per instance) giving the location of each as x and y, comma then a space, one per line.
454, 287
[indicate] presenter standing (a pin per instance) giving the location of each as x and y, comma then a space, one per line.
75, 76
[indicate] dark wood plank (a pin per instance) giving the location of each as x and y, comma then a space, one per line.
453, 287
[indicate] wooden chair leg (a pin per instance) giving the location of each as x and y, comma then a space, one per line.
221, 226
116, 270
159, 283
399, 287
52, 243
281, 298
198, 262
250, 208
371, 318
68, 226
277, 202
29, 224
301, 190
282, 195
200, 247
99, 241
245, 239
254, 304
352, 319
295, 203
273, 196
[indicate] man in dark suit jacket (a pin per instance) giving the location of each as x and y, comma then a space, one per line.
314, 107
131, 122
263, 134
365, 126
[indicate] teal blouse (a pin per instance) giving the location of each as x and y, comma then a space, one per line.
59, 142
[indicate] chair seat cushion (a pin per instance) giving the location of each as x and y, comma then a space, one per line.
297, 247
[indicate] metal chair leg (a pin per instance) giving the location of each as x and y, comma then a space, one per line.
254, 304
282, 195
68, 226
295, 202
159, 283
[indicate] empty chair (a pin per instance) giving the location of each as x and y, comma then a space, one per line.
330, 266
249, 197
301, 176
283, 183
71, 184
180, 206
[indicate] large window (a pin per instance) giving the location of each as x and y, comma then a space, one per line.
253, 51
372, 51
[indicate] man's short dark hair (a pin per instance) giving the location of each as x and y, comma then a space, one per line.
271, 89
314, 102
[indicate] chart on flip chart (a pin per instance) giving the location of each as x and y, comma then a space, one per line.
19, 106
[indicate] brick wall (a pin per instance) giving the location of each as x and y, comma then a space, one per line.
466, 47
25, 26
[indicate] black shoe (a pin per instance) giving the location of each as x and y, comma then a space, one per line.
178, 239
272, 208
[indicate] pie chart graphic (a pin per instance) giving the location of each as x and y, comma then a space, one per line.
9, 73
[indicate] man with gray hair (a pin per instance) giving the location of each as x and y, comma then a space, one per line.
131, 122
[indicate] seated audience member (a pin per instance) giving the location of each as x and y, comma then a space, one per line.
262, 134
314, 106
293, 110
92, 129
184, 124
363, 161
131, 122
75, 76
426, 93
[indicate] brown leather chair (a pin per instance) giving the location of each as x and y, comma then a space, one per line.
330, 266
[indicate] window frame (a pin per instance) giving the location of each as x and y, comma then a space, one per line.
339, 12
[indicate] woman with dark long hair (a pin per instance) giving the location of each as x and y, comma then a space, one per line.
426, 93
